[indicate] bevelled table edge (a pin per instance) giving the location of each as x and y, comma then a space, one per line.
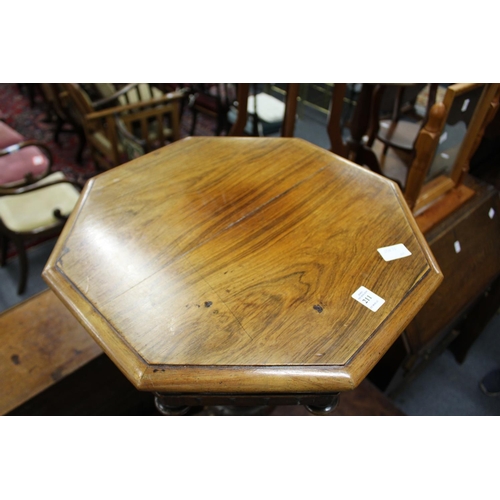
130, 364
236, 379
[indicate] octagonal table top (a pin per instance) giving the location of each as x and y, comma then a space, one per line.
242, 265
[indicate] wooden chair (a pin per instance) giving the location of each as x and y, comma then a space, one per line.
247, 115
400, 130
212, 99
336, 122
147, 124
366, 111
34, 207
419, 174
110, 94
433, 183
67, 119
352, 145
64, 121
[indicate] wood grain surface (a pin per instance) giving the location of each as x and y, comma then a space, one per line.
41, 343
228, 265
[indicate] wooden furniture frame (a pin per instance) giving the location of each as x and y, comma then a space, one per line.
20, 238
433, 199
355, 148
430, 200
287, 129
144, 125
56, 108
399, 134
101, 126
419, 191
212, 99
56, 97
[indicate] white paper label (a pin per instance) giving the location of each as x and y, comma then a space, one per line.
491, 213
394, 252
445, 156
457, 246
37, 160
443, 137
465, 105
368, 299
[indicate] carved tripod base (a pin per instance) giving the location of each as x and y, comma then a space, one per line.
242, 404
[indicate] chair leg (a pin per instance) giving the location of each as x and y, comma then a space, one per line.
193, 123
81, 146
23, 264
221, 123
4, 243
57, 131
220, 128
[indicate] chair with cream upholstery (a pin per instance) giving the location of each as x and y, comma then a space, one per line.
153, 122
35, 207
265, 114
63, 121
260, 114
129, 93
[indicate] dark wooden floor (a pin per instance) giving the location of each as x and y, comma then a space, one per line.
99, 388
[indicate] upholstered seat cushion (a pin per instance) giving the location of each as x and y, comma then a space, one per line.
35, 210
15, 166
269, 108
270, 113
105, 89
9, 136
143, 92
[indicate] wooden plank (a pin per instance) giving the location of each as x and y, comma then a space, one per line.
41, 343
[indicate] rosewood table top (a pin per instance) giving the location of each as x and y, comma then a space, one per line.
242, 265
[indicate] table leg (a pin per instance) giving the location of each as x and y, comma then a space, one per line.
359, 152
175, 411
324, 409
242, 404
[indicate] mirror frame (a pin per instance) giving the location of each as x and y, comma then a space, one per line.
420, 194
